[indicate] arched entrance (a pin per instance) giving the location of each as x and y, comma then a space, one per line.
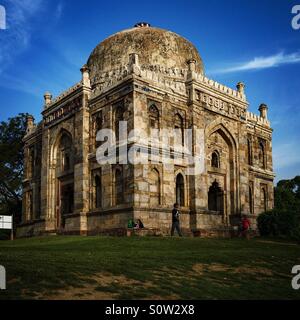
222, 163
63, 174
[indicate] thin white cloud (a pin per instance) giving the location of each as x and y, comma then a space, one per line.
259, 63
24, 19
16, 38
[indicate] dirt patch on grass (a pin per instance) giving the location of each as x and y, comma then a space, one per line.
87, 292
168, 272
218, 267
101, 286
107, 279
198, 268
253, 270
201, 268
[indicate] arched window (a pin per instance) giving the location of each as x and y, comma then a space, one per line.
98, 192
180, 190
30, 163
154, 188
64, 166
98, 120
179, 127
215, 160
66, 152
119, 116
251, 201
261, 156
264, 199
249, 151
119, 193
216, 198
153, 117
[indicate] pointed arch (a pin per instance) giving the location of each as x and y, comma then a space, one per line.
264, 198
231, 183
61, 190
215, 159
154, 187
62, 133
219, 126
262, 155
180, 190
179, 127
153, 116
66, 153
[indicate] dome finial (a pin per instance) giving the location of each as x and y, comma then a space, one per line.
142, 25
263, 109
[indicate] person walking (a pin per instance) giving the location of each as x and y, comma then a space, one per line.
246, 227
176, 220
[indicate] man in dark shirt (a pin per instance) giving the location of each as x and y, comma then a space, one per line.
176, 220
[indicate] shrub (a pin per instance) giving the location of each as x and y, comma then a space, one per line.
279, 223
4, 234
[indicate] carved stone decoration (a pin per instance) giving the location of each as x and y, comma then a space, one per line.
63, 111
221, 106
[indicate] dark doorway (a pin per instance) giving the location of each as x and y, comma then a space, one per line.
180, 190
216, 198
66, 202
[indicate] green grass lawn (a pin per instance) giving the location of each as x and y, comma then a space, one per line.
143, 268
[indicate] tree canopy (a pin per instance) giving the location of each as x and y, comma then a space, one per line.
284, 219
11, 164
287, 194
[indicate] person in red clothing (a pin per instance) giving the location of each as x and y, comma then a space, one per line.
246, 227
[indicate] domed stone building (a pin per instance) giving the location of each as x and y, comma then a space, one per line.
150, 78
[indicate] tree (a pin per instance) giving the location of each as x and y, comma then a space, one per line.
284, 219
11, 165
287, 194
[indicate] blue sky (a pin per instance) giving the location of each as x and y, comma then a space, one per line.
47, 41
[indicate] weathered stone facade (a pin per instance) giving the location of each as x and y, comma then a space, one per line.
149, 78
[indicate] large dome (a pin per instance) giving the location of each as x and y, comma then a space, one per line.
154, 46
